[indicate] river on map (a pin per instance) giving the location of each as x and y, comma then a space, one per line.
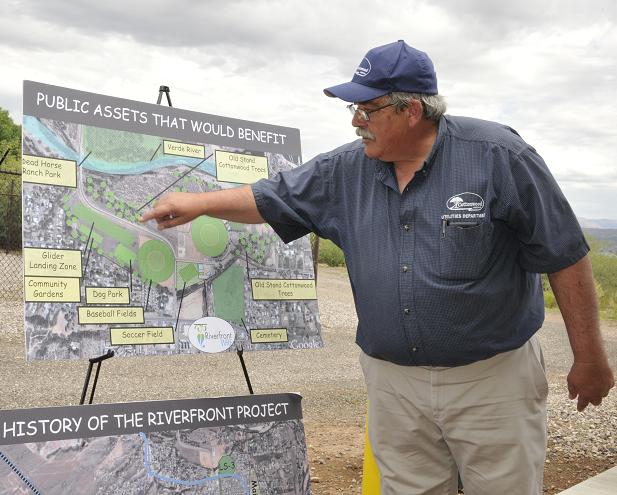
49, 139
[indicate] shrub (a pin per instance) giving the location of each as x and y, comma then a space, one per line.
330, 254
549, 299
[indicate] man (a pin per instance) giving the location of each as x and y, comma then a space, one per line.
446, 224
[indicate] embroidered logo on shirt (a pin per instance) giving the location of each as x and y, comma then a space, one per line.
364, 68
466, 201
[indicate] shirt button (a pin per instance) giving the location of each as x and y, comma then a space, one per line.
414, 349
406, 226
405, 268
406, 311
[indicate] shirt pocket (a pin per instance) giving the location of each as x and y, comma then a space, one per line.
464, 247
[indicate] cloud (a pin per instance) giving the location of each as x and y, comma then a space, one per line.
259, 25
591, 200
548, 69
502, 21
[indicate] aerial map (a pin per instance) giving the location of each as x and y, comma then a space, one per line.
96, 279
251, 445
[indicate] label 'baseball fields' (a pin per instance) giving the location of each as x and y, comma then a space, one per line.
98, 315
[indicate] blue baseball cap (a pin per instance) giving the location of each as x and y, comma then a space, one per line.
388, 68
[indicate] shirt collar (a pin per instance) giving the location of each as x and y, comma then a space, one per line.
441, 132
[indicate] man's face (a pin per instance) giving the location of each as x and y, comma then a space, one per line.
383, 135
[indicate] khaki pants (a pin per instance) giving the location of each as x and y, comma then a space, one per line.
486, 420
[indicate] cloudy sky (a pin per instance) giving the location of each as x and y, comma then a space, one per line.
548, 68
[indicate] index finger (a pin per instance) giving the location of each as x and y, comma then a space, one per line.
572, 391
159, 211
581, 404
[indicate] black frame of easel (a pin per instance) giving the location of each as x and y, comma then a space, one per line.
110, 353
98, 360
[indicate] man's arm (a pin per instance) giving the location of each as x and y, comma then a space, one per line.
237, 205
590, 377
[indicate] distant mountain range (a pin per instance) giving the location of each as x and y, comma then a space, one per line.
603, 230
597, 223
607, 238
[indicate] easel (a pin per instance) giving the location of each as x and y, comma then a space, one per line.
166, 90
109, 354
98, 360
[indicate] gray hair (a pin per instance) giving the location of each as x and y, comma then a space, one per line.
433, 106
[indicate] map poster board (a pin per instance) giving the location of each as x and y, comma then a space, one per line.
246, 445
95, 278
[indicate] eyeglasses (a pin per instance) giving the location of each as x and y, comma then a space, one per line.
365, 114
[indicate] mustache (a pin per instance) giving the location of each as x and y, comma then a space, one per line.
364, 133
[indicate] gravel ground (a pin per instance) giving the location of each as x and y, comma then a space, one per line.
329, 379
591, 433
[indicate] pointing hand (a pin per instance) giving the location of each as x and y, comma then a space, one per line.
175, 209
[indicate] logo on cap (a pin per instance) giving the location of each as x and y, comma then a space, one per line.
364, 68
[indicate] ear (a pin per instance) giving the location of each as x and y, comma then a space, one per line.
414, 108
413, 112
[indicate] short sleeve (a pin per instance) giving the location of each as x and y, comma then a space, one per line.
294, 202
535, 208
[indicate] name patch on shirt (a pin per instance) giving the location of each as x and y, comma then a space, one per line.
466, 201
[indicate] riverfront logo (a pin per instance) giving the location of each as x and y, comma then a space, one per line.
466, 201
364, 68
211, 334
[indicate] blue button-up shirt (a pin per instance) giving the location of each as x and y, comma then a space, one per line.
445, 272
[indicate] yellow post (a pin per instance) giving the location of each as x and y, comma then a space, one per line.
370, 477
